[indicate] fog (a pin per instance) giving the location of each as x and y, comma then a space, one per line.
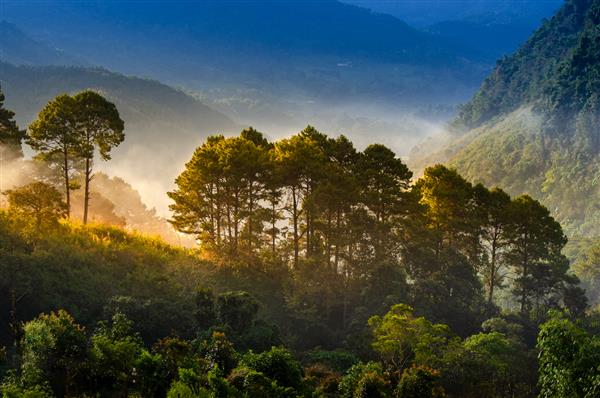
151, 169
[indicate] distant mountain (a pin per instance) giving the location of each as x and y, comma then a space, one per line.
277, 65
492, 29
162, 125
289, 53
321, 27
18, 48
424, 13
534, 125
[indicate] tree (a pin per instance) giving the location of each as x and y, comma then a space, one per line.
237, 310
402, 339
38, 201
384, 178
55, 137
535, 253
300, 159
419, 382
198, 207
494, 211
10, 134
205, 313
101, 129
334, 198
364, 380
277, 364
450, 208
221, 194
115, 348
54, 351
489, 365
568, 360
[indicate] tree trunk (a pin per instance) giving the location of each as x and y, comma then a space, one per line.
250, 216
329, 222
295, 222
67, 182
492, 271
337, 240
218, 215
86, 199
273, 221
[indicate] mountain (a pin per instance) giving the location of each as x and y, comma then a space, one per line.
492, 32
534, 125
163, 125
18, 48
424, 13
277, 65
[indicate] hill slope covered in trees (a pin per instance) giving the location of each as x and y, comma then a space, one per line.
378, 285
534, 124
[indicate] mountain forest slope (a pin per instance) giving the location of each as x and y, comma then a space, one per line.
534, 125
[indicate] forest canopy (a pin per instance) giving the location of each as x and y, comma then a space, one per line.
320, 270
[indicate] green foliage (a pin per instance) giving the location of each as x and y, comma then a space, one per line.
152, 374
569, 359
361, 380
401, 338
419, 382
54, 352
114, 352
555, 67
11, 388
10, 135
277, 364
534, 122
181, 390
236, 310
301, 241
220, 353
338, 360
39, 202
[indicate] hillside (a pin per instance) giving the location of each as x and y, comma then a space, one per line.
339, 261
534, 124
159, 120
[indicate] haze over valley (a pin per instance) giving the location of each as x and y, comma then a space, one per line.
345, 69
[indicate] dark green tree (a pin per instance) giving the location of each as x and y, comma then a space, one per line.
535, 254
10, 134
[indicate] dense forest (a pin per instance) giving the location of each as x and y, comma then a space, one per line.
537, 115
319, 271
533, 126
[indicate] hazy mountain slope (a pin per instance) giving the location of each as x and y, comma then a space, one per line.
492, 29
18, 48
322, 27
428, 12
535, 123
162, 125
294, 56
548, 69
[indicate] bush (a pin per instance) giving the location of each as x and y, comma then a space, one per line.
277, 364
419, 382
